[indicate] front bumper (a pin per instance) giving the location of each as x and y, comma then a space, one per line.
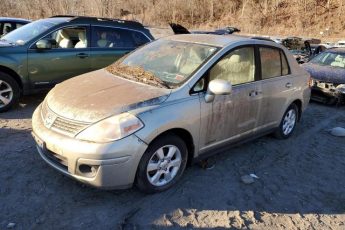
113, 164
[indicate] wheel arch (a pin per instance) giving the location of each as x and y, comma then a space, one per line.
298, 103
186, 136
13, 74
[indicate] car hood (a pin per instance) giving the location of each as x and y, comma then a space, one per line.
326, 73
96, 95
4, 43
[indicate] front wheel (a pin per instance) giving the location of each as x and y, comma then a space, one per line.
9, 92
288, 123
162, 164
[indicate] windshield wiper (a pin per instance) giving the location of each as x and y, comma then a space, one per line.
160, 81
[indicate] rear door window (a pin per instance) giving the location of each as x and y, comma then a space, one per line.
273, 63
285, 65
108, 37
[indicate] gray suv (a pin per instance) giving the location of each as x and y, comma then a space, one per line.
172, 102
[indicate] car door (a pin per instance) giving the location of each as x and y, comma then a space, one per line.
69, 56
230, 118
109, 44
276, 86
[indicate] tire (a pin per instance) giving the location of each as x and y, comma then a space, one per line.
9, 92
288, 123
155, 178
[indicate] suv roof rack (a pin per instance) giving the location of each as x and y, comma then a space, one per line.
262, 38
84, 18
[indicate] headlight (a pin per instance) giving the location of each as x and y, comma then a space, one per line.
112, 128
341, 88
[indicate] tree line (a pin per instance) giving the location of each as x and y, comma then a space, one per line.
307, 17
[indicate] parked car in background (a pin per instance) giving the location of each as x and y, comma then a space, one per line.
340, 44
9, 24
278, 40
173, 101
303, 49
328, 74
179, 29
48, 51
330, 44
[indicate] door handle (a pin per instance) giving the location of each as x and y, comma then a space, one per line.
288, 85
253, 93
82, 55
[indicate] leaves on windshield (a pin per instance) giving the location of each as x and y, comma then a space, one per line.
136, 73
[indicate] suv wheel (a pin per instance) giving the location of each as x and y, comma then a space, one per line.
162, 164
288, 123
9, 92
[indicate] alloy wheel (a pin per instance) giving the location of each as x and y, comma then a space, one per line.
6, 93
289, 122
164, 165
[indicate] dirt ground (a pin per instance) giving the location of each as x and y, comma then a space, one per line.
301, 185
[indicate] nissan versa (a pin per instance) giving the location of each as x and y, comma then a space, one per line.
48, 51
169, 103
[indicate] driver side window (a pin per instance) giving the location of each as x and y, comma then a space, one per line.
238, 67
68, 38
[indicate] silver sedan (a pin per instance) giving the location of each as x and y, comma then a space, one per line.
177, 100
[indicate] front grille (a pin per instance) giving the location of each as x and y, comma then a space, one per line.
60, 124
67, 126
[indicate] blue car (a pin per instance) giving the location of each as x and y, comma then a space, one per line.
9, 24
328, 75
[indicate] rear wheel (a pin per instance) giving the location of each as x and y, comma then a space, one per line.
162, 164
288, 123
9, 92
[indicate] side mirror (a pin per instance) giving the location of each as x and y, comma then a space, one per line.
217, 87
44, 44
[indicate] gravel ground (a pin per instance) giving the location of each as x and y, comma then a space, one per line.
301, 185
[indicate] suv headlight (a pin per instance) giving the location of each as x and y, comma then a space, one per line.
341, 88
112, 128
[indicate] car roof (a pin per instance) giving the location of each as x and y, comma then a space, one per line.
99, 20
14, 19
209, 39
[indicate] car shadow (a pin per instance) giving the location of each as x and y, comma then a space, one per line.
25, 108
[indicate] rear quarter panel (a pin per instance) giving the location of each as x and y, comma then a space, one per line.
300, 79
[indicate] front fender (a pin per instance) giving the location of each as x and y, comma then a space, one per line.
180, 114
15, 60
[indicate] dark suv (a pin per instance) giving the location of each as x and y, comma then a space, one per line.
48, 51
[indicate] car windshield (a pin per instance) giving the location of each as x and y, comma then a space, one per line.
163, 63
25, 33
330, 59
